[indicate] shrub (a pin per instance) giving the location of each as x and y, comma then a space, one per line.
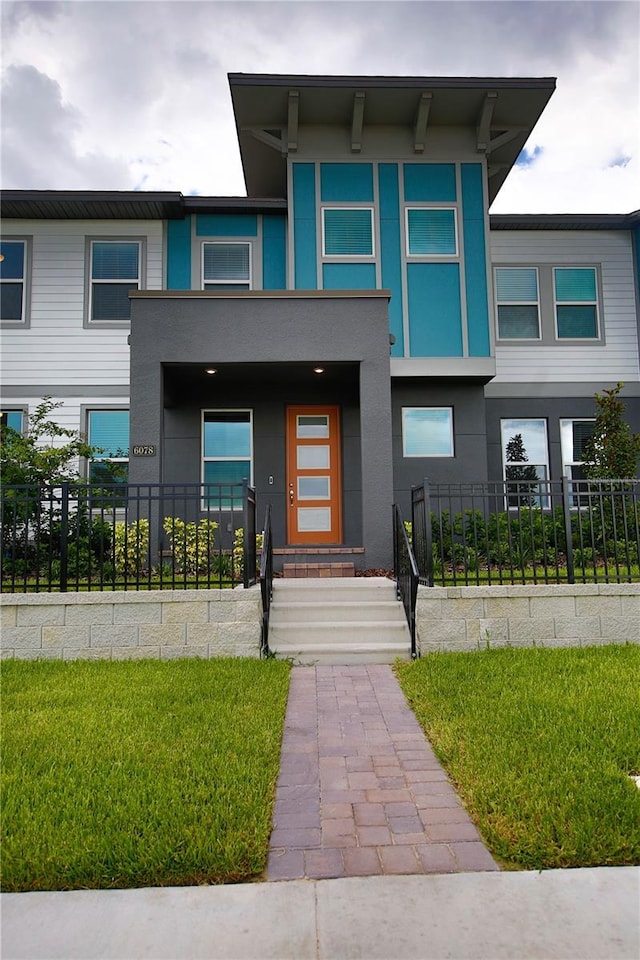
192, 543
131, 547
238, 553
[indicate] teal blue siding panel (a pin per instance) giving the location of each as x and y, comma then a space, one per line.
430, 182
435, 316
179, 254
304, 226
346, 182
274, 253
475, 261
390, 249
349, 276
227, 225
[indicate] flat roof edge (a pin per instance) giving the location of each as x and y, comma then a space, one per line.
310, 80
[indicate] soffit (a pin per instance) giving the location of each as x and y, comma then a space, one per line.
268, 110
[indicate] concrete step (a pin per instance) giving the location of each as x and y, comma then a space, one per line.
336, 589
330, 653
306, 633
342, 611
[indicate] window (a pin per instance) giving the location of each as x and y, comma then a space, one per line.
576, 303
109, 431
431, 232
226, 266
427, 431
227, 450
517, 301
13, 419
573, 437
525, 455
115, 270
347, 232
13, 281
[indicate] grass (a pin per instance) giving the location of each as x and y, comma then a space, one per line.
138, 773
540, 744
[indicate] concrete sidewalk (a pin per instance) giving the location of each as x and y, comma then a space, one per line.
590, 914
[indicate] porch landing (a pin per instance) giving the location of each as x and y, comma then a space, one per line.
320, 561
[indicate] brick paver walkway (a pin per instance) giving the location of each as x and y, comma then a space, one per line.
360, 790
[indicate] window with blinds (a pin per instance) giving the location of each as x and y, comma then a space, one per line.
108, 430
427, 431
115, 270
576, 303
517, 303
226, 266
347, 232
573, 437
431, 232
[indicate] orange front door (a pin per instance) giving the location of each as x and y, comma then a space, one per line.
314, 501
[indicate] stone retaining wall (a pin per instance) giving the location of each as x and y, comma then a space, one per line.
468, 618
161, 624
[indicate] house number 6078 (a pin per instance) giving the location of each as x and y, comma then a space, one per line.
143, 450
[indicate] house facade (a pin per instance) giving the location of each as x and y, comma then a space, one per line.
355, 324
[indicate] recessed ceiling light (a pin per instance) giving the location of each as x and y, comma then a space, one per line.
318, 369
211, 370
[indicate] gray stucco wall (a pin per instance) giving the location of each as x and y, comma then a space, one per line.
470, 452
201, 328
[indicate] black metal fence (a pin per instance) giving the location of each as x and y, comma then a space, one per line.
510, 532
266, 581
127, 536
406, 574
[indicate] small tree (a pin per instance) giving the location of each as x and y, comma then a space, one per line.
34, 458
612, 452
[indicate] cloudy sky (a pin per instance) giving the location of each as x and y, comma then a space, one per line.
114, 94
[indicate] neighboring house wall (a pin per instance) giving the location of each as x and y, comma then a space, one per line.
615, 355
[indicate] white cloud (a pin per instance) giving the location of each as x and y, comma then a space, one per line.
137, 93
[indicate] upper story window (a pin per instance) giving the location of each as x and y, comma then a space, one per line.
115, 270
525, 455
13, 282
427, 432
109, 431
347, 232
226, 266
576, 301
431, 232
518, 303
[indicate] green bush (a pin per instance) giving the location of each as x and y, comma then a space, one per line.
192, 544
238, 553
131, 547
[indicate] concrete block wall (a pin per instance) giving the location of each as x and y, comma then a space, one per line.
124, 626
469, 618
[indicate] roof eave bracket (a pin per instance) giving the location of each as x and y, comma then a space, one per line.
292, 121
422, 119
357, 121
483, 129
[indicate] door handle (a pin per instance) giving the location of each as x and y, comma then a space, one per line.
291, 495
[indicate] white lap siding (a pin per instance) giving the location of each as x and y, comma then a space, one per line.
610, 361
57, 349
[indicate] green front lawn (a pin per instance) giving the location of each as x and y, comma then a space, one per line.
540, 744
138, 773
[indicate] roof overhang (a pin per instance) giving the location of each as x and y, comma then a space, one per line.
565, 221
124, 205
269, 110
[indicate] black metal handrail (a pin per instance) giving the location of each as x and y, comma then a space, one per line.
266, 581
521, 532
82, 536
406, 574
